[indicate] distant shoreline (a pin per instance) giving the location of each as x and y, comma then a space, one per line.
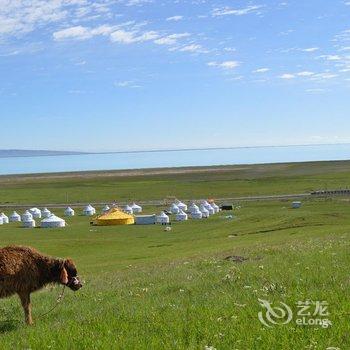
13, 153
129, 161
162, 171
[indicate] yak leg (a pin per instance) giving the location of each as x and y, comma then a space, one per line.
25, 300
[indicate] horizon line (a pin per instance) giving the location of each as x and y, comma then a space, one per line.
79, 152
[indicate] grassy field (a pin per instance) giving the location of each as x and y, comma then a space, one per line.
221, 182
150, 289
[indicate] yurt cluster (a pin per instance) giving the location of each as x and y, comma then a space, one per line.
30, 217
114, 215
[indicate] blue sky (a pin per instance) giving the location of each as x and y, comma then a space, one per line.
137, 74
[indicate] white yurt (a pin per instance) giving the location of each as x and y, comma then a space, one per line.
69, 212
181, 206
27, 216
193, 208
4, 218
15, 217
174, 209
89, 210
210, 209
196, 214
207, 206
204, 211
36, 212
162, 218
136, 208
1, 221
105, 209
52, 221
45, 213
181, 216
204, 203
127, 209
215, 207
28, 224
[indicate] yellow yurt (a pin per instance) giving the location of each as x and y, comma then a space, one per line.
114, 217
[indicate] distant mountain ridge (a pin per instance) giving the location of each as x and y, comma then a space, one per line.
7, 153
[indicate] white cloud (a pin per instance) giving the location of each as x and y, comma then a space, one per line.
102, 30
310, 49
77, 32
123, 36
261, 70
127, 84
287, 32
148, 35
81, 33
344, 36
130, 33
114, 32
21, 16
230, 49
305, 74
171, 39
18, 17
137, 2
287, 76
80, 63
191, 48
175, 18
129, 37
316, 90
325, 76
331, 57
224, 65
225, 11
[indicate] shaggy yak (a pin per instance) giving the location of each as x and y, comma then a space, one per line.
24, 270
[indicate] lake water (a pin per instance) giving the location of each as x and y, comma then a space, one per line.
159, 159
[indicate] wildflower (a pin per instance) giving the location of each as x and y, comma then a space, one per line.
219, 335
227, 277
240, 305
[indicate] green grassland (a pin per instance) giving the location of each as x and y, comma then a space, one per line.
150, 289
222, 182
